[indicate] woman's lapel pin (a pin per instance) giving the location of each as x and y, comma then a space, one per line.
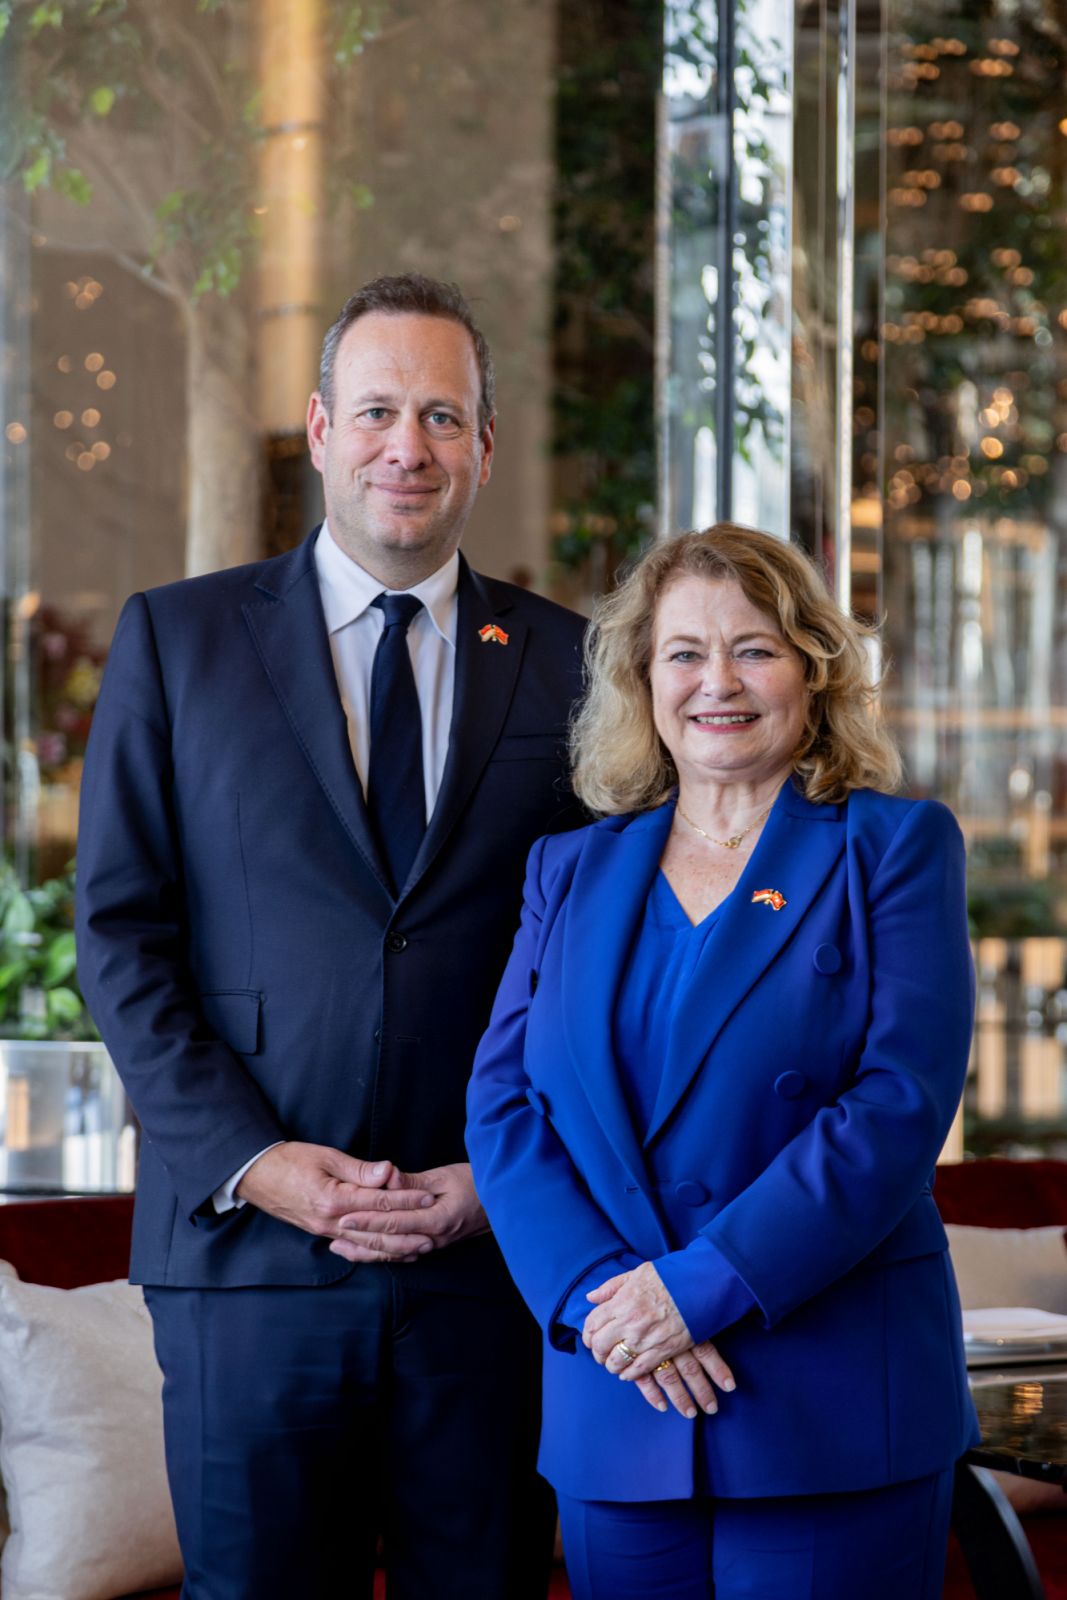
492, 634
769, 897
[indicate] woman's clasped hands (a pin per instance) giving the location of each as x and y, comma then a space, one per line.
636, 1331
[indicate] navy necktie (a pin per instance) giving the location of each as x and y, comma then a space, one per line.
396, 794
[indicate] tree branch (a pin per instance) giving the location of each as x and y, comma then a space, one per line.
101, 247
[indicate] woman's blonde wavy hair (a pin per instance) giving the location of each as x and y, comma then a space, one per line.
620, 762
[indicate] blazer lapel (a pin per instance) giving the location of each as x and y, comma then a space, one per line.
486, 675
288, 628
604, 906
795, 853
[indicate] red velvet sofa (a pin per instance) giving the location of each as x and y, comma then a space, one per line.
76, 1241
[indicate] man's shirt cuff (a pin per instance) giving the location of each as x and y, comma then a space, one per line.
224, 1199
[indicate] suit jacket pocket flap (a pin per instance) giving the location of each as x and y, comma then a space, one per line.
234, 1015
920, 1232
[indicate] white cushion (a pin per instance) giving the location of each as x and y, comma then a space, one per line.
81, 1444
1009, 1266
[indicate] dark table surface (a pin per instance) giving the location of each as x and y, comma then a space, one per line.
1023, 1414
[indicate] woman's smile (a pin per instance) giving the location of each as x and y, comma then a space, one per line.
729, 697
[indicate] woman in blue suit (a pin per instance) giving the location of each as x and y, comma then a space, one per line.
704, 1120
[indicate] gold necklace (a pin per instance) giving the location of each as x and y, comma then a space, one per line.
734, 841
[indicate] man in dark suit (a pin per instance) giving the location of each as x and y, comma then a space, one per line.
309, 793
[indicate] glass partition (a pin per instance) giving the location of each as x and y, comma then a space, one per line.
919, 204
188, 191
968, 355
725, 220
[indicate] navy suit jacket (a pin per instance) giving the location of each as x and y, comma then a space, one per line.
815, 1065
238, 944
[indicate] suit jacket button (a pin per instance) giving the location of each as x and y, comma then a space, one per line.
395, 942
538, 1101
690, 1193
827, 959
790, 1085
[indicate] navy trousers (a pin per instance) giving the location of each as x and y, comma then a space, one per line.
303, 1424
883, 1544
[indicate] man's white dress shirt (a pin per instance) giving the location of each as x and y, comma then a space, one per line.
354, 624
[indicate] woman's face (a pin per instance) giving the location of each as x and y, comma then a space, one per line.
728, 692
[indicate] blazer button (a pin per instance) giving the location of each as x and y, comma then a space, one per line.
790, 1085
827, 959
395, 942
538, 1101
690, 1193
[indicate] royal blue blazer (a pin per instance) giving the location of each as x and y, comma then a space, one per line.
816, 1064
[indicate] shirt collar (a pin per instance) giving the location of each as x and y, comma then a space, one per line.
348, 589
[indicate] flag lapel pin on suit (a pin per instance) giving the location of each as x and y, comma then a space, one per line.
491, 634
769, 897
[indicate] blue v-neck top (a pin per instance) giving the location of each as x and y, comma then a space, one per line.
666, 952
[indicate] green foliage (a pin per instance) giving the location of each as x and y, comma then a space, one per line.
184, 76
46, 16
37, 171
1019, 909
603, 405
39, 994
74, 185
353, 26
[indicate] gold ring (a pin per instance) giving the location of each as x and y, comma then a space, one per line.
664, 1365
631, 1355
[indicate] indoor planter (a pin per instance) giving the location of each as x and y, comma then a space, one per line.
65, 1124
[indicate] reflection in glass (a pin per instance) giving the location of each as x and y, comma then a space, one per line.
64, 1120
190, 192
725, 402
960, 466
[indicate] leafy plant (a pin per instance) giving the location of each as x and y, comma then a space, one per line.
39, 994
608, 76
80, 75
149, 116
1022, 910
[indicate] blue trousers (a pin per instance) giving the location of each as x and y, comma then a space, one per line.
881, 1544
303, 1424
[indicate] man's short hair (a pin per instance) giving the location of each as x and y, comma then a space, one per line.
410, 293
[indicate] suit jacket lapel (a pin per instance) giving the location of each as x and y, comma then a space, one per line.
288, 628
606, 902
798, 846
486, 675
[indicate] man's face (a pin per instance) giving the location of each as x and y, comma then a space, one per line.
401, 454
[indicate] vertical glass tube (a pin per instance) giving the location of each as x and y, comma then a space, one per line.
726, 221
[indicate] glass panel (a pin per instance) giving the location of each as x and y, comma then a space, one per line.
189, 192
64, 1120
825, 250
960, 430
725, 396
